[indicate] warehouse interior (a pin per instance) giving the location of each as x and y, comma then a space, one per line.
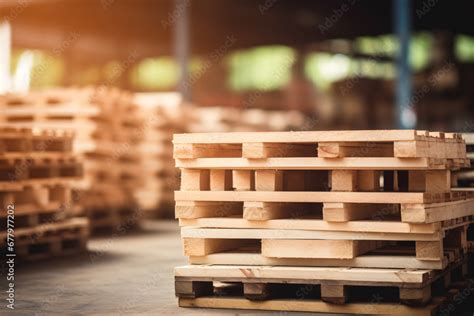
92, 92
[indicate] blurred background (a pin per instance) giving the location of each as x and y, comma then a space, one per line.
125, 75
335, 61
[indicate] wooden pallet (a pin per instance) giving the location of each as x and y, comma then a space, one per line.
51, 116
409, 168
301, 244
50, 240
336, 286
47, 98
36, 205
439, 305
340, 201
411, 207
31, 171
21, 142
330, 144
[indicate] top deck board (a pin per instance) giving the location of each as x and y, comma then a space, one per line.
347, 275
302, 137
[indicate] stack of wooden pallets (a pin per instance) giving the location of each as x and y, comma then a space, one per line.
38, 169
322, 221
163, 116
113, 162
222, 119
107, 135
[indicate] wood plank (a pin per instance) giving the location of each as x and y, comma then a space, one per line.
415, 296
334, 293
438, 181
229, 233
296, 137
191, 209
324, 249
195, 180
314, 163
220, 180
257, 291
304, 197
243, 180
202, 247
192, 289
344, 180
429, 250
364, 261
313, 224
313, 306
265, 150
268, 180
311, 275
343, 212
348, 149
190, 151
368, 180
263, 211
412, 149
437, 212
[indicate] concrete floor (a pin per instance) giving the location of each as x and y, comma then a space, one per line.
129, 274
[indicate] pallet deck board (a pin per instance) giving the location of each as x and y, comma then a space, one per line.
313, 224
243, 233
308, 197
314, 163
364, 261
312, 306
316, 275
296, 137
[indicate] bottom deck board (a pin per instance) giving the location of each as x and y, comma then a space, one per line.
313, 306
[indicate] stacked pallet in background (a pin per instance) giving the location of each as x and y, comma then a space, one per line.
113, 169
219, 119
465, 177
163, 116
38, 169
322, 221
106, 125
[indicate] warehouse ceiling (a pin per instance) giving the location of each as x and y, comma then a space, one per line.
105, 29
